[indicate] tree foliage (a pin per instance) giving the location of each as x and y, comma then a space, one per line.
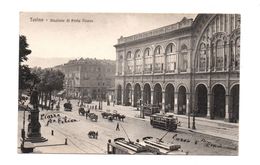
50, 79
23, 51
26, 79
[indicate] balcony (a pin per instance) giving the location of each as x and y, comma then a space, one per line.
129, 72
138, 72
147, 70
158, 71
170, 71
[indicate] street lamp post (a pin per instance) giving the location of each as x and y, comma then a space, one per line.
193, 119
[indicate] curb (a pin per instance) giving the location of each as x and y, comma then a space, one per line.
191, 130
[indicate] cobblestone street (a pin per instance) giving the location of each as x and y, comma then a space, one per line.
192, 142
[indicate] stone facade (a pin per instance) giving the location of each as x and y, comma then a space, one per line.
88, 77
191, 66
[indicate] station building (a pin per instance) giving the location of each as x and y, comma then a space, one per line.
191, 66
89, 77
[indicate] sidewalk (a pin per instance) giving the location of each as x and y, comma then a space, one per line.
55, 143
215, 128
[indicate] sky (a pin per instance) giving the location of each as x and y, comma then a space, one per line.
54, 42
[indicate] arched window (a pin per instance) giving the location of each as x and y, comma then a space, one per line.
128, 56
171, 58
147, 52
202, 57
147, 61
158, 50
237, 53
158, 60
169, 49
219, 54
120, 65
184, 58
129, 63
137, 54
138, 62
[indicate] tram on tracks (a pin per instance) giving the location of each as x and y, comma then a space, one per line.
146, 147
164, 121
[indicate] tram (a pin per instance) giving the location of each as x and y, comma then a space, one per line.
163, 148
164, 121
121, 146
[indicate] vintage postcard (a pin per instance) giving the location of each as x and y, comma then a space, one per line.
129, 83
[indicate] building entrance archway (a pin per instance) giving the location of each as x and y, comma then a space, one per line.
234, 104
137, 94
169, 98
128, 94
182, 100
219, 102
157, 95
201, 100
119, 95
147, 94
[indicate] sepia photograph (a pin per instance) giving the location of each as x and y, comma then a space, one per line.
129, 83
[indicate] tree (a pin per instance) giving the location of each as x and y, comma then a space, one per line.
26, 79
23, 51
50, 80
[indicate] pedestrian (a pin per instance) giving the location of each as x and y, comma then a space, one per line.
117, 127
47, 123
52, 104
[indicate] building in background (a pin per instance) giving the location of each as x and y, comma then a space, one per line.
89, 77
189, 66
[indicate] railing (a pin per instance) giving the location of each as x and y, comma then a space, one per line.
158, 71
138, 72
155, 32
170, 71
147, 71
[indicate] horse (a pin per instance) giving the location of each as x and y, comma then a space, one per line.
93, 135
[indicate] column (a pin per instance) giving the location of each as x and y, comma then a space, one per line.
176, 102
143, 63
188, 100
142, 95
163, 102
153, 58
223, 63
122, 97
189, 62
215, 56
117, 60
177, 62
164, 63
124, 64
132, 100
229, 23
227, 108
152, 96
209, 103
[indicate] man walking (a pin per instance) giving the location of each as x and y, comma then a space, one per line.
117, 127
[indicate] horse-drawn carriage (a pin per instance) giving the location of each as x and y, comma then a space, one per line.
67, 106
113, 116
82, 111
92, 116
